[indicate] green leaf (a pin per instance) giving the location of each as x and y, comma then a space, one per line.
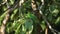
28, 25
13, 15
55, 12
57, 20
12, 1
43, 25
18, 29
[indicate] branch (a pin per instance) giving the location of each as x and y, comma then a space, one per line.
46, 30
37, 14
5, 21
2, 30
11, 8
34, 6
45, 19
35, 9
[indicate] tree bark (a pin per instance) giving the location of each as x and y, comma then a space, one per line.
35, 9
37, 14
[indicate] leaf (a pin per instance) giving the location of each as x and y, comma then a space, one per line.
57, 20
29, 15
49, 17
13, 15
55, 12
12, 1
43, 25
18, 29
52, 7
28, 25
21, 21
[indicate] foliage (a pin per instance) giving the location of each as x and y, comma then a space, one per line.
23, 21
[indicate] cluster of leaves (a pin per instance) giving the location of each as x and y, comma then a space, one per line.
23, 21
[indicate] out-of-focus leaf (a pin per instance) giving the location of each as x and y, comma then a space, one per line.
15, 11
55, 12
52, 7
12, 1
57, 20
33, 17
43, 25
18, 29
21, 21
28, 25
4, 8
49, 17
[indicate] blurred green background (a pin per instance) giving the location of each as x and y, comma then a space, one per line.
23, 21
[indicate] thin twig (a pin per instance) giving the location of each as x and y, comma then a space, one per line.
46, 30
50, 27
